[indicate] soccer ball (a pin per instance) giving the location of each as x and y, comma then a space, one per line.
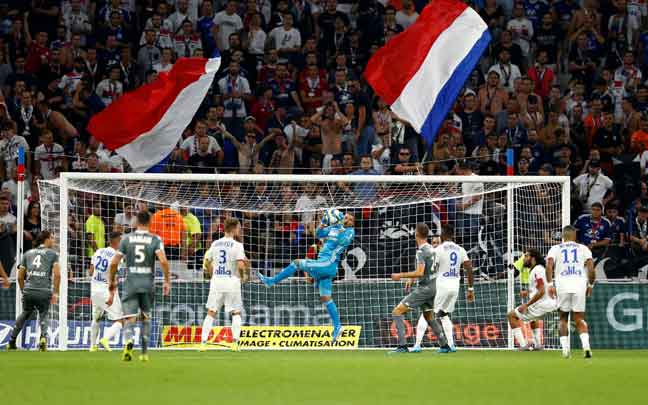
332, 216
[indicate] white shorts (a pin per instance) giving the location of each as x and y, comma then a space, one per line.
571, 302
99, 307
225, 293
536, 311
445, 299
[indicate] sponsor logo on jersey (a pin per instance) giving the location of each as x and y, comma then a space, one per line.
571, 271
451, 273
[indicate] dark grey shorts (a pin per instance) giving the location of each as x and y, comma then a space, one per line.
134, 302
421, 297
36, 302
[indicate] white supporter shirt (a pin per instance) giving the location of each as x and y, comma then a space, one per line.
190, 145
224, 255
283, 39
307, 205
570, 272
227, 24
450, 258
597, 186
101, 262
470, 190
507, 74
50, 159
109, 91
538, 278
522, 30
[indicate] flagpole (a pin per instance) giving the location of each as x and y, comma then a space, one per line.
20, 225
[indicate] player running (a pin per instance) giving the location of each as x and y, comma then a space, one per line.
570, 260
140, 249
100, 295
451, 259
539, 304
35, 273
336, 238
226, 262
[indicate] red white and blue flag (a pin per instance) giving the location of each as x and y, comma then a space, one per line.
144, 126
420, 72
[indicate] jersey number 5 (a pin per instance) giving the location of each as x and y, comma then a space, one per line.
139, 254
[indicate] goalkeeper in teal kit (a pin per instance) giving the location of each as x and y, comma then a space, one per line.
337, 234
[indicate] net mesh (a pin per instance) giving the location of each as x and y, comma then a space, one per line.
279, 221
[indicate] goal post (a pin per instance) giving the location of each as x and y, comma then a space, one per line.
278, 214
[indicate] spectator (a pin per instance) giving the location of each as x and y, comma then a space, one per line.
149, 54
639, 235
202, 161
235, 91
49, 157
32, 225
594, 231
593, 186
191, 145
170, 226
111, 89
186, 42
126, 220
521, 28
286, 40
492, 98
166, 63
407, 15
227, 22
95, 230
331, 122
248, 151
9, 147
404, 164
193, 243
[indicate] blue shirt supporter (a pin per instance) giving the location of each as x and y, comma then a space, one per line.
591, 230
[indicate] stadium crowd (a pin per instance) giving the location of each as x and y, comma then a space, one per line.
562, 84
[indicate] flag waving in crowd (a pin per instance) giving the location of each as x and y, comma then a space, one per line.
421, 71
163, 109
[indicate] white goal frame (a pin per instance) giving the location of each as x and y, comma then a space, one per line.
512, 181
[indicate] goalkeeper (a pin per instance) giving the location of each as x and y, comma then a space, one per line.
337, 233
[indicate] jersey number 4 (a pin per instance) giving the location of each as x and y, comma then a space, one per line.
37, 262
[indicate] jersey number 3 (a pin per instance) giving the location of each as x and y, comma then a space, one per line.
221, 269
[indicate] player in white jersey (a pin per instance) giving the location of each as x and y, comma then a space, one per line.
572, 264
452, 258
100, 295
226, 262
539, 304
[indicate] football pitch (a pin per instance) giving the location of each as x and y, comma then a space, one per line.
307, 377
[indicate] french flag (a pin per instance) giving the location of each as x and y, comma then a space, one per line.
144, 126
420, 72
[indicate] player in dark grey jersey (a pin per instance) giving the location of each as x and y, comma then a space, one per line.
38, 275
427, 268
140, 249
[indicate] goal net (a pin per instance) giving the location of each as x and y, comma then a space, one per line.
495, 219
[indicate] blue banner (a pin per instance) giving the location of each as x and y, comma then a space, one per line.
78, 334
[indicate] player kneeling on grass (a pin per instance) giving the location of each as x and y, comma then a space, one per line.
102, 301
539, 304
35, 273
225, 261
574, 270
140, 248
336, 230
451, 258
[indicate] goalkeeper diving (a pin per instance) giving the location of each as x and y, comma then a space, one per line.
337, 233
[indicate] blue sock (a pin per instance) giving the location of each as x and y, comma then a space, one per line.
285, 273
333, 313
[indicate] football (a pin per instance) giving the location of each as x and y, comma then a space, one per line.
332, 216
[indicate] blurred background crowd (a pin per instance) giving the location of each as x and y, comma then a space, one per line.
562, 84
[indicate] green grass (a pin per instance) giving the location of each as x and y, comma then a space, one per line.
332, 378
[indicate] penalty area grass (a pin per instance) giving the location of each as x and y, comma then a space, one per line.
323, 377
